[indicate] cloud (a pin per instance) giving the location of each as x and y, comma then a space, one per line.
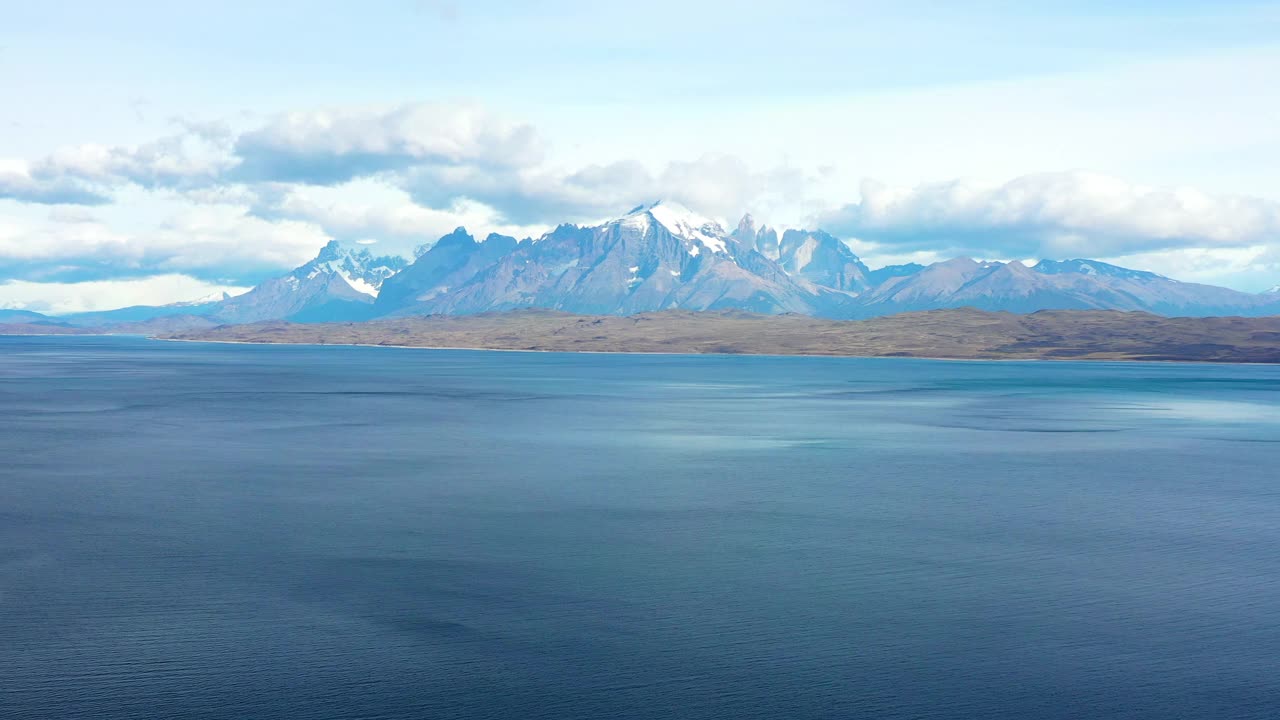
62, 298
441, 154
1055, 215
250, 204
210, 242
364, 210
16, 183
332, 146
1251, 269
318, 147
193, 158
717, 184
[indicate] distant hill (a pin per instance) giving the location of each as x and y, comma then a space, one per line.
1066, 285
151, 327
22, 316
962, 333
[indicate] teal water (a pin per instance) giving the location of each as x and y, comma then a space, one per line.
229, 531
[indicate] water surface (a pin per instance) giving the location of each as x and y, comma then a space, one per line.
236, 531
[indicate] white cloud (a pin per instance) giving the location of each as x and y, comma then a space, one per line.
62, 298
718, 185
1056, 215
18, 183
190, 158
1251, 269
331, 146
366, 210
320, 147
208, 241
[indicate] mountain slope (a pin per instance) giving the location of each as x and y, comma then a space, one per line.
22, 316
451, 261
143, 313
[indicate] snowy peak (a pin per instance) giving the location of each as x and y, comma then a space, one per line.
681, 222
363, 271
206, 300
763, 239
1273, 291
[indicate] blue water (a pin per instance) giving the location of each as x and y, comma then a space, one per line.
218, 531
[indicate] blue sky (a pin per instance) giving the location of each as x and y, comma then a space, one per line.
155, 152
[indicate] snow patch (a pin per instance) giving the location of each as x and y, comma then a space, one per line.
361, 286
636, 220
683, 222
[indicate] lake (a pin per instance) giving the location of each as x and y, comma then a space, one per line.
237, 531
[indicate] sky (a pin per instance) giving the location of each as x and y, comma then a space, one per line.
155, 152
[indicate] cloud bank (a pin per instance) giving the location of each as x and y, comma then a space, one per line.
334, 146
63, 298
1054, 215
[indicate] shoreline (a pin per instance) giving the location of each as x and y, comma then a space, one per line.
957, 335
456, 348
696, 354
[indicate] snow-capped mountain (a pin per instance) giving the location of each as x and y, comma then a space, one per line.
664, 256
657, 256
206, 300
363, 271
339, 284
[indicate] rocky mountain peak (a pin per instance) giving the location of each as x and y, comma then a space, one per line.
358, 267
332, 250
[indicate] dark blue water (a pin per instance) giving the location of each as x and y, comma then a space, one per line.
216, 531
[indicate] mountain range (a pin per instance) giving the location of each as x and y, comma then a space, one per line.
663, 256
